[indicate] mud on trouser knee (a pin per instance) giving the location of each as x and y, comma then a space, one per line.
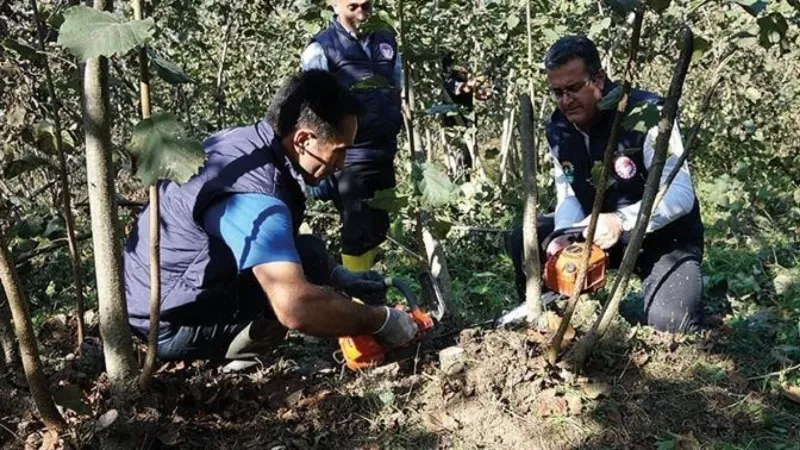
673, 296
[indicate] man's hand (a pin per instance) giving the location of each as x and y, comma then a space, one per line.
398, 329
557, 244
369, 286
608, 231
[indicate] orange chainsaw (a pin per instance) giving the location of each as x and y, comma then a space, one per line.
561, 269
363, 352
561, 272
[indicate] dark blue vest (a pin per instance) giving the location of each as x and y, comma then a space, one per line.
630, 173
381, 118
198, 272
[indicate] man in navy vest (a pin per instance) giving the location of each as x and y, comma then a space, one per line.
235, 273
669, 263
354, 56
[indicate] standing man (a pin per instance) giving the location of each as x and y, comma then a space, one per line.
235, 274
669, 262
352, 56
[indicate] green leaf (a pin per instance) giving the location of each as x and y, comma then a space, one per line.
623, 6
167, 70
89, 33
611, 99
440, 109
701, 46
513, 21
436, 187
24, 165
658, 6
164, 151
599, 27
22, 49
377, 22
45, 134
372, 83
772, 29
55, 229
642, 117
752, 94
440, 227
753, 7
388, 200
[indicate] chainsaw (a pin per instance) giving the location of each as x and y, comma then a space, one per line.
561, 271
363, 352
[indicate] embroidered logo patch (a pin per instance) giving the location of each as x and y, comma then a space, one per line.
625, 167
387, 52
569, 171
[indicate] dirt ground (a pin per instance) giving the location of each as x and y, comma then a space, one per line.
647, 390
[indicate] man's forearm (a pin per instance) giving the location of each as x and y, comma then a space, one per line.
318, 311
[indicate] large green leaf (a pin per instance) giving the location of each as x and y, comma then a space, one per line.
388, 200
167, 70
22, 49
658, 6
610, 100
440, 109
623, 6
89, 33
642, 117
24, 165
164, 151
436, 187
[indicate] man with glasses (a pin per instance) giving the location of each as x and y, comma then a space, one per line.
354, 55
669, 262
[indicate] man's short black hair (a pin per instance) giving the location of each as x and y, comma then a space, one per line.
312, 99
573, 47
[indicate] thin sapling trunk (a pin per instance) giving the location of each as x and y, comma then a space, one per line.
555, 344
660, 151
65, 200
530, 238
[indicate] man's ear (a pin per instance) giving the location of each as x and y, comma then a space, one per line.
303, 139
600, 79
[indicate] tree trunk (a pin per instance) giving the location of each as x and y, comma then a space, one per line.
155, 230
66, 203
555, 345
29, 349
10, 351
660, 151
436, 261
114, 329
532, 265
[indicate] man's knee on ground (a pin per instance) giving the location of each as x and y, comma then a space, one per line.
677, 305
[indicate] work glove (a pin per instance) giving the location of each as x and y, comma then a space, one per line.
398, 329
369, 286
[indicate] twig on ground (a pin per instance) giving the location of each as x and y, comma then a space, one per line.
776, 373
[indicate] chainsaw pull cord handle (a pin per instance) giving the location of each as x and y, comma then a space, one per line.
569, 231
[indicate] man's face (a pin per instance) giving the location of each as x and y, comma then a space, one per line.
576, 92
353, 13
320, 158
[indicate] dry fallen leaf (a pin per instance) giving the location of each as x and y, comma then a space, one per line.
106, 420
574, 403
49, 440
440, 421
792, 393
548, 404
640, 358
596, 390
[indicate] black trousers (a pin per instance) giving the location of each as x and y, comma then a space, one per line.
210, 339
669, 269
362, 226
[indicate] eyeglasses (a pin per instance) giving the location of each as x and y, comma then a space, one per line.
558, 94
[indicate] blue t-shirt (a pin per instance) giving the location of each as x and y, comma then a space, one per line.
256, 227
